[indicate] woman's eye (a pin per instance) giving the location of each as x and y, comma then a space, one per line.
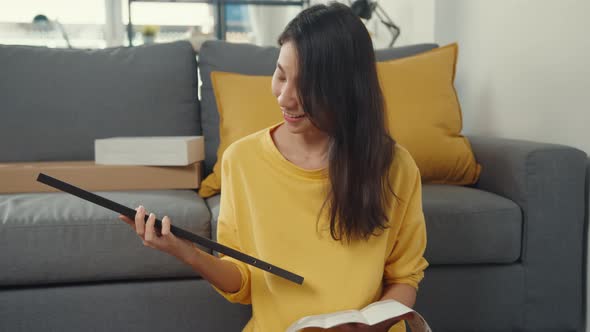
282, 79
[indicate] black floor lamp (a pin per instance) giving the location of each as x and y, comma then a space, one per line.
365, 9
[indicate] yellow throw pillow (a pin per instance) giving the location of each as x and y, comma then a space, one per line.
425, 117
421, 104
245, 105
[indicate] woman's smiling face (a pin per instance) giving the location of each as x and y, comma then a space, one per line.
285, 89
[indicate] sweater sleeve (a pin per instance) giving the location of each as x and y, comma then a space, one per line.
228, 234
406, 263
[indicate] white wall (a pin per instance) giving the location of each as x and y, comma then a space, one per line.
268, 22
523, 69
414, 17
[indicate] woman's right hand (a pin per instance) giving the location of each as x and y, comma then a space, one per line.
162, 240
223, 274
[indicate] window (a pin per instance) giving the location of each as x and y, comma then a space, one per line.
169, 21
163, 22
102, 23
53, 23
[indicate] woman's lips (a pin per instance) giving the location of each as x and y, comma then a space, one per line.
293, 118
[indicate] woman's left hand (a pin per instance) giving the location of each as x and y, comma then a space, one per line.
358, 327
381, 327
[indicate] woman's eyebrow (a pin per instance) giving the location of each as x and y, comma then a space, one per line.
280, 67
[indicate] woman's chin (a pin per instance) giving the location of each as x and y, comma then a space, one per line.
296, 127
296, 124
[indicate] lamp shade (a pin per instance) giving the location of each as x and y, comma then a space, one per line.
362, 8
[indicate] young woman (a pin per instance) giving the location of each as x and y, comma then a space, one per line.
326, 194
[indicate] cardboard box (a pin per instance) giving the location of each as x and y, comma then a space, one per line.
22, 177
150, 150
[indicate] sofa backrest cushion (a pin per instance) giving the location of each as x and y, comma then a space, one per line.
55, 102
222, 56
251, 60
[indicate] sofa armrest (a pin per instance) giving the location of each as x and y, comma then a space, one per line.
547, 181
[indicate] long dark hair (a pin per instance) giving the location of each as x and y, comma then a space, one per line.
339, 90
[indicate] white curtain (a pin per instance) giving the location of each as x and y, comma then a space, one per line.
269, 21
114, 28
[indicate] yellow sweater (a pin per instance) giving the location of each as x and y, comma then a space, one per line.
269, 208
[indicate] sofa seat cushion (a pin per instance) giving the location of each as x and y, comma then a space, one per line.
470, 226
213, 204
57, 237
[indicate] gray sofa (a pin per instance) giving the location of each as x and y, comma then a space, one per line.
506, 254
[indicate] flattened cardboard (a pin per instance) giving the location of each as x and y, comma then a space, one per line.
21, 177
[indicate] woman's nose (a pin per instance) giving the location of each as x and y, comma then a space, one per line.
287, 99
